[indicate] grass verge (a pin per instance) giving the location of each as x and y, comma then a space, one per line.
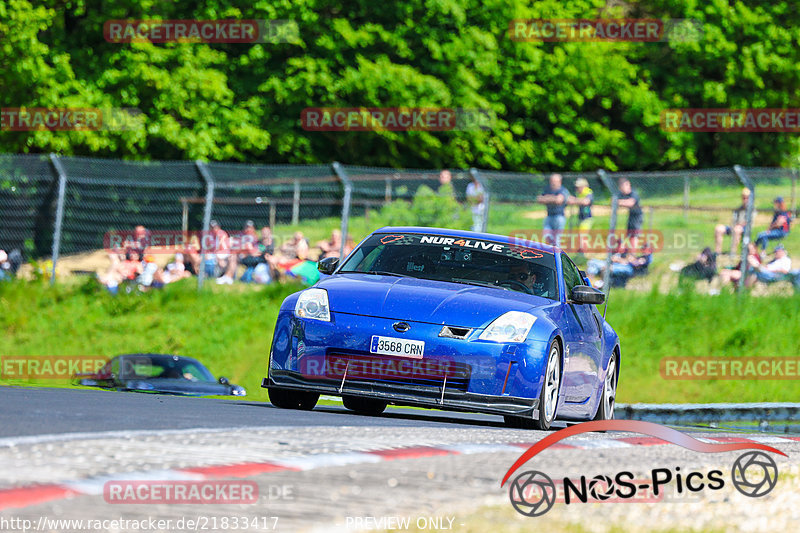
230, 330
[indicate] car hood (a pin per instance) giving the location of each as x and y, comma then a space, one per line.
421, 300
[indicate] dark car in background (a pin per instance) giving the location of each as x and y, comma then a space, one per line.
161, 373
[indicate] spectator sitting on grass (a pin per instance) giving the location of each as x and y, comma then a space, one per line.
624, 265
291, 253
331, 247
9, 264
255, 254
136, 244
734, 275
555, 197
150, 276
775, 270
779, 227
246, 244
265, 244
127, 270
736, 229
705, 267
220, 259
176, 270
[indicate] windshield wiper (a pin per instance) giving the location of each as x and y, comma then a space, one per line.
375, 272
481, 284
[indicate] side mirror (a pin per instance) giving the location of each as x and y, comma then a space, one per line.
583, 294
328, 265
223, 381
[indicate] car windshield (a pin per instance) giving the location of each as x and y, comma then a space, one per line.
457, 260
163, 367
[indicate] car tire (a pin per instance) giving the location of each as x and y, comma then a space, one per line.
292, 399
608, 398
364, 406
548, 396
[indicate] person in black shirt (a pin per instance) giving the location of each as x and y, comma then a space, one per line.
628, 198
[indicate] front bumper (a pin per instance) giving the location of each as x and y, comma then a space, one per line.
411, 395
483, 376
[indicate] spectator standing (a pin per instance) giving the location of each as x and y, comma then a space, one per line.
779, 227
736, 229
445, 178
554, 197
629, 199
584, 198
477, 199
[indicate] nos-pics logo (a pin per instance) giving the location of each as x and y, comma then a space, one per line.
533, 493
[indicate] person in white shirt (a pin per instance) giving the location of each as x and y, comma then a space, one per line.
477, 201
774, 270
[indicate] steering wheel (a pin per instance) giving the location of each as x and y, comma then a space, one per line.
519, 284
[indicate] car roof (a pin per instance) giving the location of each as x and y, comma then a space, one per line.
161, 356
507, 239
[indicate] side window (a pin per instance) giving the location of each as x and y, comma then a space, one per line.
571, 275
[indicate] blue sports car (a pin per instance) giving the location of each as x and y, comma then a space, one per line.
452, 320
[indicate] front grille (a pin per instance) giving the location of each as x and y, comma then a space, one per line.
400, 370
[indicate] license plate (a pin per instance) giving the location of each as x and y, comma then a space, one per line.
397, 347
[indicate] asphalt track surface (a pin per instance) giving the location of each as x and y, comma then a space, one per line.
37, 411
329, 470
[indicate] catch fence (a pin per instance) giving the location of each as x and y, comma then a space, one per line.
53, 205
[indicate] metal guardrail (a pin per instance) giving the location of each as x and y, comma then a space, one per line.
709, 412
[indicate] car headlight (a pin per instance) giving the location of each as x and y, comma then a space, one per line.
313, 304
237, 390
510, 327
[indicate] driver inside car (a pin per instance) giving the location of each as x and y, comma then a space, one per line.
520, 273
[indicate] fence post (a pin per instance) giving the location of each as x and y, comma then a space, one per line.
794, 191
205, 173
62, 190
487, 194
185, 218
686, 197
348, 191
387, 191
612, 225
296, 203
745, 180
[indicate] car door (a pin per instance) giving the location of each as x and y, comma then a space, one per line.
573, 341
585, 355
